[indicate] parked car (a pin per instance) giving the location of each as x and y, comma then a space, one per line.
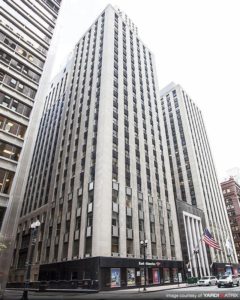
228, 280
207, 280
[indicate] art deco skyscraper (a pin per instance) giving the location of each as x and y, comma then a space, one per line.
25, 36
106, 186
200, 203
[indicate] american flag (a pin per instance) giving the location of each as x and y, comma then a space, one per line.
209, 240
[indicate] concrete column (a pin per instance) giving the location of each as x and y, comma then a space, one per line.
185, 218
201, 254
195, 244
191, 245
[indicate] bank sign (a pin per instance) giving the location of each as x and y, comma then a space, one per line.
155, 264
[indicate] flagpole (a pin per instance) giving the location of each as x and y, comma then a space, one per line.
195, 252
209, 240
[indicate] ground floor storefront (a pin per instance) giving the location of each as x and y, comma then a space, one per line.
113, 272
219, 269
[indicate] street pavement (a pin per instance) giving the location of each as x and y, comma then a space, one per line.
164, 292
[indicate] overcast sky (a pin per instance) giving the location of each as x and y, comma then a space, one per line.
196, 44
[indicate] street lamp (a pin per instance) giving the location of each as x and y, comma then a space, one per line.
196, 251
33, 237
144, 245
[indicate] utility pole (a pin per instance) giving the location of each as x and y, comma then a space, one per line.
33, 238
196, 251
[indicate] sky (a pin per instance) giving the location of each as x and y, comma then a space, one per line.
196, 44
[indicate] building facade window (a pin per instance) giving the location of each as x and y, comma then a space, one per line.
6, 179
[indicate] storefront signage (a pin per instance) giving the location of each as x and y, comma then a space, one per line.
149, 263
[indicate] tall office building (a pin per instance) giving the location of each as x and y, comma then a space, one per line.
198, 195
26, 29
231, 194
100, 184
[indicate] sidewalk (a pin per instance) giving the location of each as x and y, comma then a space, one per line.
150, 289
129, 291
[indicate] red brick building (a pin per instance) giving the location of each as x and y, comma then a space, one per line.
231, 193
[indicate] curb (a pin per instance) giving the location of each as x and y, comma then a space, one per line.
167, 289
57, 290
140, 291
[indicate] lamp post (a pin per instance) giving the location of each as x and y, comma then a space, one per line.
144, 245
33, 238
196, 251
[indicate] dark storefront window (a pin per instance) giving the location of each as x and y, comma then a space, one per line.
124, 277
115, 277
174, 275
131, 278
140, 276
153, 276
106, 278
149, 276
166, 275
156, 276
112, 273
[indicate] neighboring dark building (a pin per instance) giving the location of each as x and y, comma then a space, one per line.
26, 31
231, 194
42, 162
26, 58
